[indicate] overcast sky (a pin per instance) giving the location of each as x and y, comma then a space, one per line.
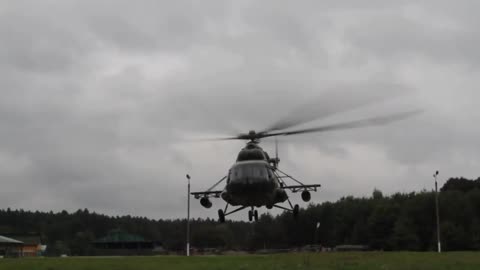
99, 100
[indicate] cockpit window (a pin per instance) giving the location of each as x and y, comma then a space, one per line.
249, 170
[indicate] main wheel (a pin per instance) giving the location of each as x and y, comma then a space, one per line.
250, 215
255, 215
221, 216
296, 209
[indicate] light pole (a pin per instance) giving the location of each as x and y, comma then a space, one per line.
188, 216
439, 246
316, 232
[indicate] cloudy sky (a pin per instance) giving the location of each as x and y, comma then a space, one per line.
100, 100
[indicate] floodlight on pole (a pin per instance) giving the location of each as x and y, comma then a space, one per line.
439, 245
317, 226
188, 216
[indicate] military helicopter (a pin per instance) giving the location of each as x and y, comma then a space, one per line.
255, 180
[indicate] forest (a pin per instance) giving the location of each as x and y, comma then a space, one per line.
401, 221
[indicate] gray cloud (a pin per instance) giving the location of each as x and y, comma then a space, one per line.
99, 99
401, 36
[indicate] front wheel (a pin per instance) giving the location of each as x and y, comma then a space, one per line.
250, 215
255, 215
221, 216
296, 209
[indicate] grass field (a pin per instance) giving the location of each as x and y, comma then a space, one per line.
366, 260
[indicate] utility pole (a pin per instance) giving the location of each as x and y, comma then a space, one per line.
439, 246
188, 216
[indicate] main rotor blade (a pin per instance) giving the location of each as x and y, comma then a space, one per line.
375, 121
338, 100
217, 139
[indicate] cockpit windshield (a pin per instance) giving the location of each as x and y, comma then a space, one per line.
249, 170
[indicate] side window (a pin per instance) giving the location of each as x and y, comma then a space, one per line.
239, 173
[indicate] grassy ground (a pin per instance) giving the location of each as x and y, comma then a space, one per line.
367, 260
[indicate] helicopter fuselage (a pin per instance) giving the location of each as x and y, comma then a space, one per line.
254, 180
253, 183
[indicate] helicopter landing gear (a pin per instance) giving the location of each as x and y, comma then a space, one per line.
221, 216
252, 215
295, 211
223, 213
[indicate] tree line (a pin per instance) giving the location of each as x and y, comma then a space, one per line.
401, 221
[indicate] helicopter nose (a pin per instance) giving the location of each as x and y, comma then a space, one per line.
252, 180
250, 184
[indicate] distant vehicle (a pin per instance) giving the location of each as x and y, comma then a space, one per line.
255, 180
351, 248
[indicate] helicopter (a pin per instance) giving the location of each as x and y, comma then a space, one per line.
255, 180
